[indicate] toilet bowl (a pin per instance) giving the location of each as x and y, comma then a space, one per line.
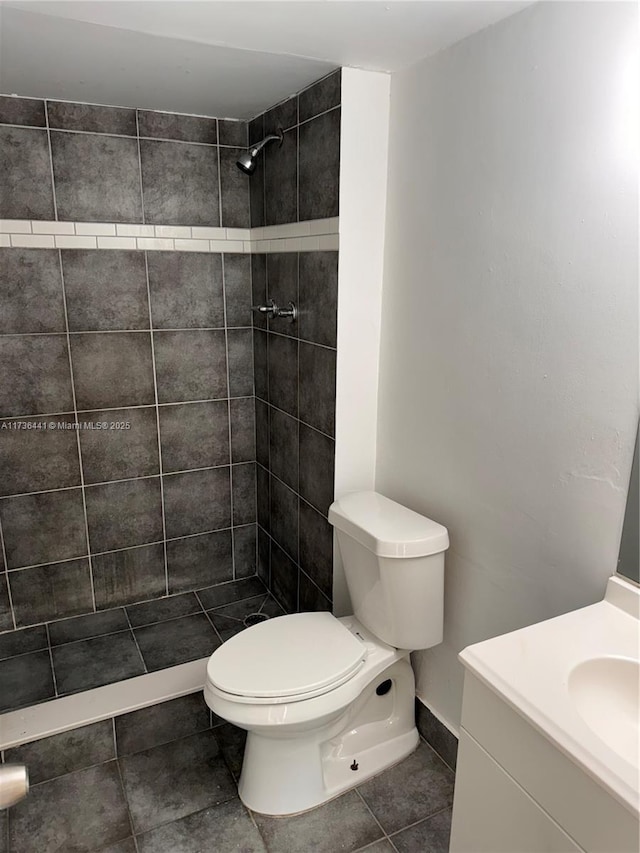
328, 702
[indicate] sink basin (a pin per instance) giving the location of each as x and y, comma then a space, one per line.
606, 694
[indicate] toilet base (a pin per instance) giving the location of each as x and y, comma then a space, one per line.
288, 775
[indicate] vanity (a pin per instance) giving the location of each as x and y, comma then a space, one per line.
548, 758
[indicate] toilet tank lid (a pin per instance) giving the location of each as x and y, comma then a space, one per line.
387, 528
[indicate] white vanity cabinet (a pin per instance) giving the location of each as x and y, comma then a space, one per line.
516, 792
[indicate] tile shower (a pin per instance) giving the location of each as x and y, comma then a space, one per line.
160, 346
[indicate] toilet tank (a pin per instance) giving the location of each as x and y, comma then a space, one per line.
394, 566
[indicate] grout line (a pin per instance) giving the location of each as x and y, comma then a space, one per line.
78, 443
53, 180
209, 619
301, 340
126, 799
416, 822
157, 408
300, 421
366, 804
135, 640
115, 739
228, 376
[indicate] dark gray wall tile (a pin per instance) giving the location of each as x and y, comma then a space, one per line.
186, 128
92, 663
186, 290
161, 723
35, 460
283, 447
112, 370
318, 315
282, 287
256, 197
264, 557
90, 625
319, 166
20, 642
284, 579
66, 813
163, 609
284, 517
105, 291
244, 550
317, 454
316, 547
97, 177
283, 373
197, 501
35, 375
124, 514
237, 289
31, 527
244, 493
259, 288
30, 291
282, 116
228, 823
51, 592
27, 191
91, 118
235, 190
240, 354
280, 166
262, 432
120, 577
233, 133
263, 490
317, 386
119, 454
260, 364
6, 619
190, 365
256, 129
194, 435
243, 429
199, 561
310, 598
198, 779
28, 111
180, 640
26, 679
61, 754
320, 97
436, 734
179, 183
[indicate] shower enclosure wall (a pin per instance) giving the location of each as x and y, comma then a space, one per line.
142, 544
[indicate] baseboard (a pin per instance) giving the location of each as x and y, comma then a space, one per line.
91, 706
437, 735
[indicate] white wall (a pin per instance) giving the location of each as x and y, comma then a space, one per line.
364, 139
508, 391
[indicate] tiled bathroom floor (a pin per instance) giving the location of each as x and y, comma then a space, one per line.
181, 797
84, 652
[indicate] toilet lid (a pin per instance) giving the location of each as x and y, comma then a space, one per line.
287, 656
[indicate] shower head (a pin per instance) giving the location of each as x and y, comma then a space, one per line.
247, 161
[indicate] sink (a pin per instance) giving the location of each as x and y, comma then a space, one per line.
606, 694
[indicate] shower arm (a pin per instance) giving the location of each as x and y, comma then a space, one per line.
272, 137
272, 310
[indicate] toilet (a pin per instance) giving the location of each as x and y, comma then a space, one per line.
328, 702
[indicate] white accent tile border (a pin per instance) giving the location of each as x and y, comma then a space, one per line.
91, 706
312, 236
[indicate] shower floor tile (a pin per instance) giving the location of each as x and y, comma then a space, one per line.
181, 797
71, 655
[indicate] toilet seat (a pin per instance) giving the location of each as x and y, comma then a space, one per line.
289, 658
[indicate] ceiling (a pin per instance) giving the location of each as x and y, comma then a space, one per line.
230, 59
